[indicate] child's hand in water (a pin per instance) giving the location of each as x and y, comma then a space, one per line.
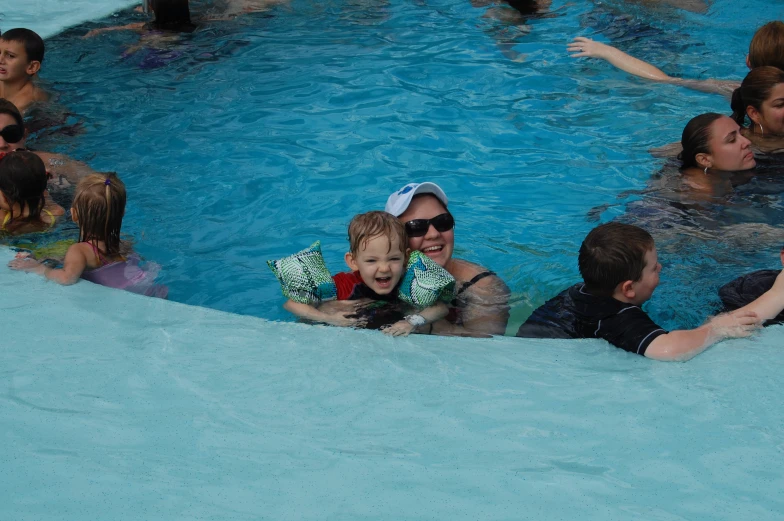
586, 48
24, 262
400, 328
734, 325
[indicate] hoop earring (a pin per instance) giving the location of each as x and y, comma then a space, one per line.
705, 171
762, 132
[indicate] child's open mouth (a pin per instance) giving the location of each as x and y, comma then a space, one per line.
384, 282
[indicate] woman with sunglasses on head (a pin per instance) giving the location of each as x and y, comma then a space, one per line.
481, 304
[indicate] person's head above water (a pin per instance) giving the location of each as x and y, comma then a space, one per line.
618, 259
767, 46
761, 98
24, 53
429, 225
12, 131
171, 15
98, 209
713, 141
377, 250
22, 184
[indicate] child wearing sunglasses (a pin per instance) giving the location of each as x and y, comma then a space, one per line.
377, 257
21, 54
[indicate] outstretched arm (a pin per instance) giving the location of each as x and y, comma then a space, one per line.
679, 346
336, 318
130, 27
770, 303
582, 47
73, 266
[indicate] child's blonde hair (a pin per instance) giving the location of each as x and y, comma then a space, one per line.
100, 205
366, 226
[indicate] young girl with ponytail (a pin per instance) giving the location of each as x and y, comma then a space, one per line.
99, 256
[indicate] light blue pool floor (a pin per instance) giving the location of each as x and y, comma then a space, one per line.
115, 406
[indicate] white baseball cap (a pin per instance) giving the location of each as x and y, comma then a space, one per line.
398, 202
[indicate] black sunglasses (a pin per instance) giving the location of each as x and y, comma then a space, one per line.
419, 227
12, 133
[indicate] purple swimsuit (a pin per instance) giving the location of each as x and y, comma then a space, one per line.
129, 275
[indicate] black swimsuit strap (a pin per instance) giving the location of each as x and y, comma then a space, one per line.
473, 281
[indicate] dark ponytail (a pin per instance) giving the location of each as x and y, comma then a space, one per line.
755, 89
738, 107
695, 138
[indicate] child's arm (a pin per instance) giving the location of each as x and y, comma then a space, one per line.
430, 315
770, 303
309, 312
73, 266
679, 346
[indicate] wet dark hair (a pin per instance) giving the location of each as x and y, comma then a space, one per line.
524, 7
99, 202
754, 90
613, 253
23, 182
695, 138
171, 15
33, 44
767, 46
6, 107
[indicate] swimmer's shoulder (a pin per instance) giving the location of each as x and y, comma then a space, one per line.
477, 276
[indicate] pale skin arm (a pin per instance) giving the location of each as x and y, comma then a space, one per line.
683, 345
430, 314
335, 318
61, 165
138, 26
73, 266
582, 47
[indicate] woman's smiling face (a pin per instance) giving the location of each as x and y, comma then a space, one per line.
436, 245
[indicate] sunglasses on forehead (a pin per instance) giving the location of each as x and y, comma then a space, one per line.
419, 227
12, 133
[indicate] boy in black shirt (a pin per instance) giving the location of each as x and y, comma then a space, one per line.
620, 271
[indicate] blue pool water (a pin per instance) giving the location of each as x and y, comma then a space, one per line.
264, 134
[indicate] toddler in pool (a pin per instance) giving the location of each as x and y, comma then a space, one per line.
99, 256
377, 257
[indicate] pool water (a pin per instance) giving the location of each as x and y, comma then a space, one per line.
249, 140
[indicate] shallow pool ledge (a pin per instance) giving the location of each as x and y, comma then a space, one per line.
113, 403
58, 16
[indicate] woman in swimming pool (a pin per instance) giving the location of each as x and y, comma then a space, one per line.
22, 187
481, 304
714, 152
761, 98
64, 171
766, 49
